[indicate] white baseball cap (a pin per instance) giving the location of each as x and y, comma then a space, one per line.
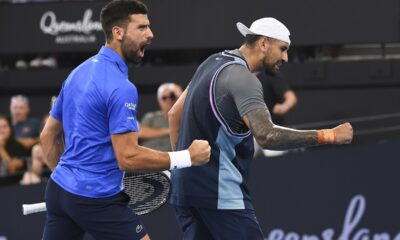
269, 27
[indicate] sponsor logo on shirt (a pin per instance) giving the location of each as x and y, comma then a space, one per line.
130, 106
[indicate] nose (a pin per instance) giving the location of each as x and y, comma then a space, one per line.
285, 56
150, 34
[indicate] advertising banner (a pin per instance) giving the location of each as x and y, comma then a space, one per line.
74, 25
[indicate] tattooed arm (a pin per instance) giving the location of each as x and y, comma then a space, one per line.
274, 137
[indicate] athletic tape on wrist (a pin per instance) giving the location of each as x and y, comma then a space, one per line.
326, 136
179, 159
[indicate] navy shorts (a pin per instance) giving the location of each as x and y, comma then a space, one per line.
213, 224
69, 216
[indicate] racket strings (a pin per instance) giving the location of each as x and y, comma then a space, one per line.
147, 191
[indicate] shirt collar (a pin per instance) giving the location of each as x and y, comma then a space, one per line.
113, 55
239, 54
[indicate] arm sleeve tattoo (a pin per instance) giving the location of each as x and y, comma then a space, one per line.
274, 137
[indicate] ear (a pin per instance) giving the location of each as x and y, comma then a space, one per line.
264, 44
118, 33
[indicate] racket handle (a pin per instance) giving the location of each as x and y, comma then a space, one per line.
33, 208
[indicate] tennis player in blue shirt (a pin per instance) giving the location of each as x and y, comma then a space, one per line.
96, 113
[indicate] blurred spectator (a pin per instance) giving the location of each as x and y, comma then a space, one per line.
278, 96
34, 174
154, 131
12, 153
43, 62
26, 129
37, 165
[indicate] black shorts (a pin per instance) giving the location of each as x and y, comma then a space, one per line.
69, 216
201, 223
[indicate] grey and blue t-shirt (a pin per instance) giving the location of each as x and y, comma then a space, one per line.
221, 92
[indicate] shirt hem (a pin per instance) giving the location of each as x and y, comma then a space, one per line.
72, 191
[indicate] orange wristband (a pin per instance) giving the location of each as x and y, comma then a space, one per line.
326, 136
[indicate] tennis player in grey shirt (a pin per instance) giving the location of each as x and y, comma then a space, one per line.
224, 105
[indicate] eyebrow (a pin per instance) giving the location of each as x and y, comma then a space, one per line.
143, 25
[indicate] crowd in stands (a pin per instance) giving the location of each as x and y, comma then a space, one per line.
20, 151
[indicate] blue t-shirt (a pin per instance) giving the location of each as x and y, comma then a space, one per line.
96, 100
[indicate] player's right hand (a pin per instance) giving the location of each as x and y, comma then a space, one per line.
344, 133
200, 152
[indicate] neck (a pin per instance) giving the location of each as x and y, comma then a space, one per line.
116, 47
251, 56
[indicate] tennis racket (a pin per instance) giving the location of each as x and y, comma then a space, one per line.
147, 192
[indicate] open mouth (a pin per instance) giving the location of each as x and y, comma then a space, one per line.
142, 49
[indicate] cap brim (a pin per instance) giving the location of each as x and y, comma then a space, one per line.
243, 29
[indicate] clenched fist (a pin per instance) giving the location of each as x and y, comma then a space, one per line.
200, 152
344, 133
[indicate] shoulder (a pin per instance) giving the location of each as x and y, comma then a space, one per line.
238, 75
158, 113
30, 121
237, 71
122, 94
99, 67
124, 86
236, 67
92, 68
93, 64
151, 115
120, 85
33, 121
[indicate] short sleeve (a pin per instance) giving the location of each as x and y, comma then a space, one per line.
245, 89
121, 110
56, 111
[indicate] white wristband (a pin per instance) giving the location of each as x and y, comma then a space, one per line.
179, 159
